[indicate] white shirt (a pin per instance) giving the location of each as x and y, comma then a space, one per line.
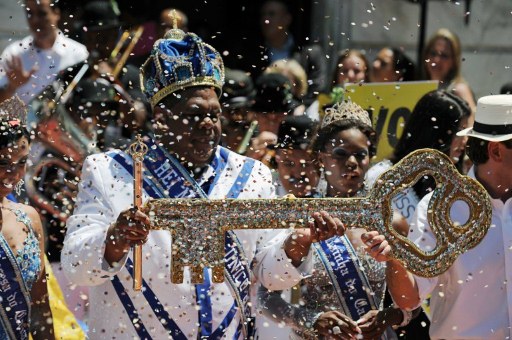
105, 190
405, 201
65, 52
471, 300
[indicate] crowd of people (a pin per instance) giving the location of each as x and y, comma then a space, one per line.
250, 130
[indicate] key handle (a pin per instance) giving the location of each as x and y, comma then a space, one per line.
198, 226
452, 239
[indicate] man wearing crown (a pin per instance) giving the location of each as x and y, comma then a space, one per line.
182, 79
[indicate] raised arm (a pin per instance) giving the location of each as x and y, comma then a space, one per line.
13, 76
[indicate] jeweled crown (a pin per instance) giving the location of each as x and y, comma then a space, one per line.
178, 61
13, 109
345, 109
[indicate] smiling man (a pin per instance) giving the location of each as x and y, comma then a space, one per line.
182, 80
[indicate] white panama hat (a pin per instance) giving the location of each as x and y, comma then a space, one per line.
493, 119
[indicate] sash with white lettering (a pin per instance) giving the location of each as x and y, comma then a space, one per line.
350, 283
164, 177
406, 202
14, 295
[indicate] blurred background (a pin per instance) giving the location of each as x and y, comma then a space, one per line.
231, 26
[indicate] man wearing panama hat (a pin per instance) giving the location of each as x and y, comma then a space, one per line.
473, 299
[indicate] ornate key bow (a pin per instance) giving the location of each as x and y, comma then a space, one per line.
198, 225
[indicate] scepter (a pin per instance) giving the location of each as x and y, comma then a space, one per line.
137, 150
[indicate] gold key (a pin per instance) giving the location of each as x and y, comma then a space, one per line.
198, 225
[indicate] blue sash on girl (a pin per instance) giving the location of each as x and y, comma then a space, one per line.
350, 283
14, 295
165, 177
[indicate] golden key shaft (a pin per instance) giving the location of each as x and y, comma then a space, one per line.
198, 225
138, 149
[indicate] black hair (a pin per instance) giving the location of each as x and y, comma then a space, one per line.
506, 88
476, 149
433, 123
285, 3
10, 133
403, 64
325, 134
54, 4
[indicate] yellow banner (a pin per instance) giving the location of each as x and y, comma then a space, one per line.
389, 105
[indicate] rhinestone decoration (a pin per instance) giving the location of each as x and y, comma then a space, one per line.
198, 226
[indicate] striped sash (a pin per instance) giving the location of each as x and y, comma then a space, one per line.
164, 177
14, 295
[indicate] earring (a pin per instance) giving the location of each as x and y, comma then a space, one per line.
321, 187
19, 186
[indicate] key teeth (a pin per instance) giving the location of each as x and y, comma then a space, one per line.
196, 274
177, 274
218, 274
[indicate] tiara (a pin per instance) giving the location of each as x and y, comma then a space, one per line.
346, 109
13, 110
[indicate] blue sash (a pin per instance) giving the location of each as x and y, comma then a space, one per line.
350, 283
165, 177
15, 298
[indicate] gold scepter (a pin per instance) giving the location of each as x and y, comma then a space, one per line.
137, 150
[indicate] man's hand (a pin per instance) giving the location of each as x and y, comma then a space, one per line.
131, 228
16, 74
335, 325
375, 322
377, 246
323, 227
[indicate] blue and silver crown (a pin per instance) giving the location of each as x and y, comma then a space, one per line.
178, 61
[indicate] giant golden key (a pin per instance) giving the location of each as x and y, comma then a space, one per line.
198, 225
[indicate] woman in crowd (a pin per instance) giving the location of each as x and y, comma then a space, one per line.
442, 56
345, 143
294, 72
298, 78
24, 295
390, 65
434, 122
351, 67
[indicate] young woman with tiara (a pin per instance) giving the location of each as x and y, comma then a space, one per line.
341, 299
24, 305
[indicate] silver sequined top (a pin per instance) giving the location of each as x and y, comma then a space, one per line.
317, 295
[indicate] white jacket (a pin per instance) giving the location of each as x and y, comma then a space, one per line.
105, 190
